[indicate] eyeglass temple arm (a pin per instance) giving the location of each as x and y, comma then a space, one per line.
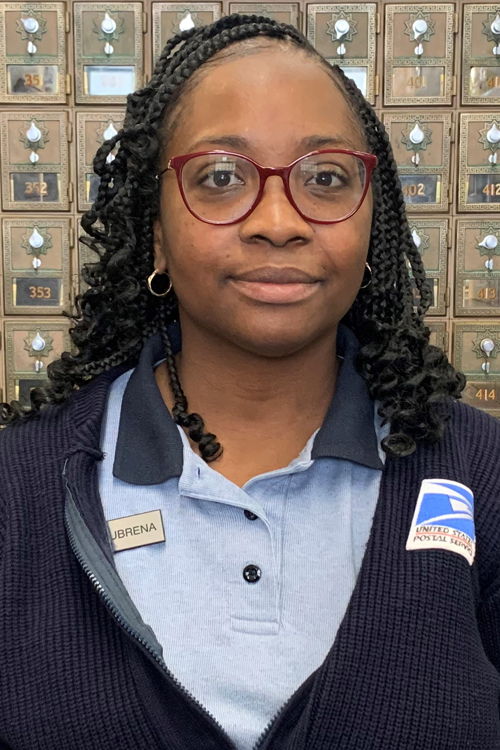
169, 166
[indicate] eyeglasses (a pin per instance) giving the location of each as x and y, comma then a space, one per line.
221, 187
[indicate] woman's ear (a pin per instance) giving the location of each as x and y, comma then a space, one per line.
160, 259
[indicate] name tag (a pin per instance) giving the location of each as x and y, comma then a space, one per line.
136, 531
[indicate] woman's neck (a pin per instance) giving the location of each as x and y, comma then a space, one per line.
263, 410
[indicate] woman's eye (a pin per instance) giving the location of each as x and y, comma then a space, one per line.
221, 178
325, 179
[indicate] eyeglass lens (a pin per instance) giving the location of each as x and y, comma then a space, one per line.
326, 186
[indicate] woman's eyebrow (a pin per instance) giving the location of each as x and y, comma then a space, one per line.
308, 143
319, 141
232, 141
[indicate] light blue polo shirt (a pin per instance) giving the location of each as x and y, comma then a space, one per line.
247, 591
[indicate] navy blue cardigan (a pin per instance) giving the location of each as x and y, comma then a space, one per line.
414, 666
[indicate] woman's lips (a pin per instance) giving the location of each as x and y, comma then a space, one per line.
276, 293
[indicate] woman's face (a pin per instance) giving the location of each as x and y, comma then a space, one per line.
271, 103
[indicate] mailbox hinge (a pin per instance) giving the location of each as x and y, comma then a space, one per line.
447, 296
450, 193
455, 23
144, 23
377, 85
68, 83
449, 238
454, 85
69, 131
67, 22
74, 286
71, 192
377, 23
446, 341
452, 130
71, 234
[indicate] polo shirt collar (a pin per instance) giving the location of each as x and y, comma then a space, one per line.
149, 447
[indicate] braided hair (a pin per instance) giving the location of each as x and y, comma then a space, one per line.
412, 380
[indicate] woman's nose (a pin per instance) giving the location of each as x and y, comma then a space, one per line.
275, 218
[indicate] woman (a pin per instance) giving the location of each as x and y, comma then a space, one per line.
299, 567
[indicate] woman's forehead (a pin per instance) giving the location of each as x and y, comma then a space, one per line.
276, 95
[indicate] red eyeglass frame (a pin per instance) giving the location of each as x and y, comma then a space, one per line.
177, 164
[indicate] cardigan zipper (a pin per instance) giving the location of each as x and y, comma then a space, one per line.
125, 625
101, 590
260, 741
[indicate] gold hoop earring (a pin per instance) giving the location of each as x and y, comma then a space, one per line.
150, 279
365, 285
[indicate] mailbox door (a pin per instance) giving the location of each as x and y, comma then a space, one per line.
31, 344
481, 55
476, 350
431, 240
419, 42
93, 129
345, 34
34, 160
108, 51
421, 146
32, 53
36, 265
170, 19
477, 272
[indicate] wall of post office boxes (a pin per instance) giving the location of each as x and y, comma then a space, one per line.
431, 70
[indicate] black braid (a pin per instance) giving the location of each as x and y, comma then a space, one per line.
412, 380
410, 377
210, 449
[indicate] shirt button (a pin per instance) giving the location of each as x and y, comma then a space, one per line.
250, 515
251, 573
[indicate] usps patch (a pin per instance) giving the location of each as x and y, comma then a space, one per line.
444, 518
